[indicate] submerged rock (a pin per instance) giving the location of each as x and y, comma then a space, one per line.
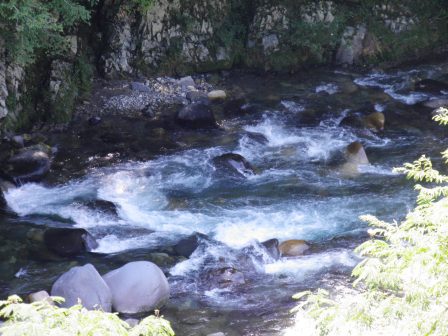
225, 277
31, 164
84, 284
375, 121
233, 163
137, 287
272, 248
69, 242
355, 156
236, 107
354, 121
196, 115
431, 86
93, 121
186, 246
258, 137
293, 248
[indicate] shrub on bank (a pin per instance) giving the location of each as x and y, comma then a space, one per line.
42, 318
402, 284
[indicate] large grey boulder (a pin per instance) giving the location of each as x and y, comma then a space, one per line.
196, 115
137, 287
69, 242
83, 283
30, 164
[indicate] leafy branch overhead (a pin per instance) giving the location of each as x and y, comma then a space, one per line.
35, 26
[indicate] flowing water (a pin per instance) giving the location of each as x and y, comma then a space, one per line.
296, 194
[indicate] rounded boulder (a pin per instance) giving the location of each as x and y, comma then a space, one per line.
293, 248
68, 242
30, 164
85, 285
196, 115
137, 287
375, 121
356, 154
217, 95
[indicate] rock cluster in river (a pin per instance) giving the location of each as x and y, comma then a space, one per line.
136, 287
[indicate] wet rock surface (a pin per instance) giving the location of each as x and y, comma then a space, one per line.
69, 242
137, 287
83, 284
232, 163
196, 115
29, 165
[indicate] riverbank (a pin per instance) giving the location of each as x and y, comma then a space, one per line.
43, 79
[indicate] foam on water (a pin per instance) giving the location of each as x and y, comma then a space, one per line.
292, 106
411, 98
301, 267
274, 132
33, 198
393, 84
313, 143
375, 169
329, 88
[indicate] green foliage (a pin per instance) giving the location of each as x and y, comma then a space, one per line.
318, 39
143, 5
401, 286
41, 318
30, 27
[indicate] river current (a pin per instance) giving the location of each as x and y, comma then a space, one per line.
290, 135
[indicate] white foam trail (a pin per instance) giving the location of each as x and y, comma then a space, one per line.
374, 169
239, 228
33, 198
329, 88
303, 266
198, 258
114, 244
292, 106
380, 107
411, 98
275, 133
392, 84
317, 143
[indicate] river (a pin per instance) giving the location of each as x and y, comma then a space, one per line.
290, 133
